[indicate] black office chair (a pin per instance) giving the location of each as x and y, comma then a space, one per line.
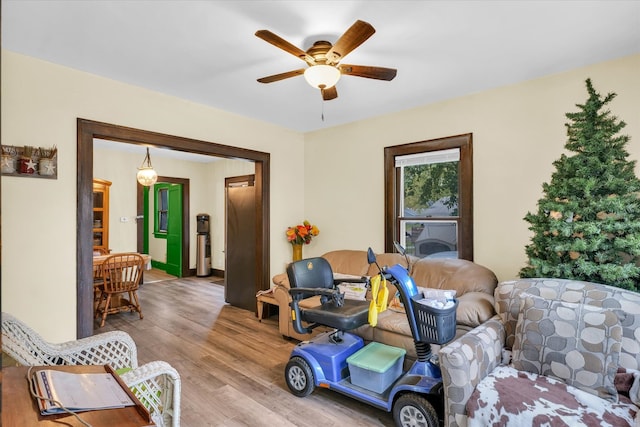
313, 276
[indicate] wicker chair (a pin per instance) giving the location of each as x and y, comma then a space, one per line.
121, 274
156, 384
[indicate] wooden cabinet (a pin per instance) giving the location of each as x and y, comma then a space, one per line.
101, 215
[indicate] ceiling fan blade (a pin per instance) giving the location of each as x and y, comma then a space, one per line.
281, 76
378, 73
281, 43
357, 34
329, 94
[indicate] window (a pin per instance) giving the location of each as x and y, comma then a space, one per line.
429, 196
161, 210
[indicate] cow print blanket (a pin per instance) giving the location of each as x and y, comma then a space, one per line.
508, 397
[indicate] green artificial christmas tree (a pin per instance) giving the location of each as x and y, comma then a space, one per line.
588, 222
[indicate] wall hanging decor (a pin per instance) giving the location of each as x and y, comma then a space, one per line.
29, 161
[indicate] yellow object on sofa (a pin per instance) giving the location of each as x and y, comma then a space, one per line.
379, 298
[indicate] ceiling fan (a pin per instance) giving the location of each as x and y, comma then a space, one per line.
323, 59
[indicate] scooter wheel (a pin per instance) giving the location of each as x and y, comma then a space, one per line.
413, 410
299, 377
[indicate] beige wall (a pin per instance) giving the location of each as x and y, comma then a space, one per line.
518, 132
39, 106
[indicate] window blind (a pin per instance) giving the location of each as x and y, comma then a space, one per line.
428, 157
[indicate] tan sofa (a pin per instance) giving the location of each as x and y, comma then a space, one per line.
473, 283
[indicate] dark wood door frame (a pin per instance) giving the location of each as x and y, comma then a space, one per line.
186, 240
87, 130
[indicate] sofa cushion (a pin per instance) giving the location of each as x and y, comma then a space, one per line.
459, 275
394, 322
518, 398
474, 308
348, 262
575, 343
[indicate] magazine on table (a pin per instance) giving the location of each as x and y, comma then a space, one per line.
356, 291
78, 392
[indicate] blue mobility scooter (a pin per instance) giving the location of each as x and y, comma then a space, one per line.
414, 396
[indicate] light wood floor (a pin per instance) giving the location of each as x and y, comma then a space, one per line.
231, 365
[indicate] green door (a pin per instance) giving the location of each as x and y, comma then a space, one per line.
174, 231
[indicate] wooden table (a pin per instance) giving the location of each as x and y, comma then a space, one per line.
20, 409
98, 260
262, 299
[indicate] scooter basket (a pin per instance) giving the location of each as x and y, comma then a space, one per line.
435, 325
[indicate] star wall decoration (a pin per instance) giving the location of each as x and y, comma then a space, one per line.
49, 168
31, 165
6, 162
29, 161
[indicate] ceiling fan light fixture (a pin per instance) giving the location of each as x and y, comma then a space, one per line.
322, 76
146, 175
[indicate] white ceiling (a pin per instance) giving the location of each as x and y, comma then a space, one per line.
206, 51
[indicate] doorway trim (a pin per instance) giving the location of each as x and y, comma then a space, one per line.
186, 241
87, 130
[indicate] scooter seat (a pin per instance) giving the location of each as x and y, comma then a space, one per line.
352, 314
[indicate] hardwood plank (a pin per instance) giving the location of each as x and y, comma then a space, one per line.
232, 366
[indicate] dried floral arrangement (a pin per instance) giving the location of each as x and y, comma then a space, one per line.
28, 152
48, 153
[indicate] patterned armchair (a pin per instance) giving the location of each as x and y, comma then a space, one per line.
481, 373
156, 384
465, 362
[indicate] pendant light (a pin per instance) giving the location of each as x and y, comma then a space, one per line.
146, 175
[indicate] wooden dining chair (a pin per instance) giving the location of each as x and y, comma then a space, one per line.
121, 274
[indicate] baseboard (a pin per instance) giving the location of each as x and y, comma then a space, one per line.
214, 272
159, 265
